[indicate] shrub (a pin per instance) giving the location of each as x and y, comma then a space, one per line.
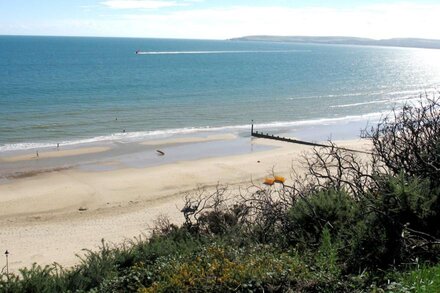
327, 256
35, 279
332, 210
396, 224
218, 268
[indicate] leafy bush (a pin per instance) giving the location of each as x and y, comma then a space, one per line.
35, 279
254, 269
332, 210
396, 225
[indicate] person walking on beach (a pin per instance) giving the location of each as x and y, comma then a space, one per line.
38, 154
58, 146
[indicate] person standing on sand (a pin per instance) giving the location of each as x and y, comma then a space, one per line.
38, 154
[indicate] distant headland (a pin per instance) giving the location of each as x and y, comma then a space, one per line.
335, 40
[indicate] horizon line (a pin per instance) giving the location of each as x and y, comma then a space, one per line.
214, 39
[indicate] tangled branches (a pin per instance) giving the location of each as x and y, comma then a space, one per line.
408, 141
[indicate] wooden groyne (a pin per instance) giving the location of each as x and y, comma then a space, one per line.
291, 140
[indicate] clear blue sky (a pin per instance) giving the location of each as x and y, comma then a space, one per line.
220, 19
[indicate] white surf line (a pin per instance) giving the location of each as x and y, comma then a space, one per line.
360, 104
160, 134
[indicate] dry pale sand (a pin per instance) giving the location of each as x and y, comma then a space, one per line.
40, 219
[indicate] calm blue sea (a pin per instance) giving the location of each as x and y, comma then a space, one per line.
71, 90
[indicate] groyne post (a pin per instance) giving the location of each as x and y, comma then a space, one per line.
280, 138
7, 263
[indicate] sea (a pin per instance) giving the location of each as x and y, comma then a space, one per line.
78, 90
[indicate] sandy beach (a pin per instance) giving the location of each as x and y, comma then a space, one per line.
51, 216
54, 154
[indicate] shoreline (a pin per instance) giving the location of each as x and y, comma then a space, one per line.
116, 154
113, 155
136, 136
52, 216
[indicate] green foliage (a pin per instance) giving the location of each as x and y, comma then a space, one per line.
35, 279
421, 280
218, 222
381, 236
412, 202
218, 268
327, 256
307, 219
101, 267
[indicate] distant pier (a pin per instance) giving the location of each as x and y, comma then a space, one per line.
291, 140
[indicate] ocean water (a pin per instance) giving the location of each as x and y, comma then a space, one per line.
72, 90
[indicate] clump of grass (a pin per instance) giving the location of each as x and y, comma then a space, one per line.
425, 279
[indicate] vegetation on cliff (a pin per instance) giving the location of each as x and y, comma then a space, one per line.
351, 223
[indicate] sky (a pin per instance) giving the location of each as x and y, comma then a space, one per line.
215, 19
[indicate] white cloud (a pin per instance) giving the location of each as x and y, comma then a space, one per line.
374, 21
139, 4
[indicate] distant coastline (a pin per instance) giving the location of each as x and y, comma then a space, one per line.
336, 40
